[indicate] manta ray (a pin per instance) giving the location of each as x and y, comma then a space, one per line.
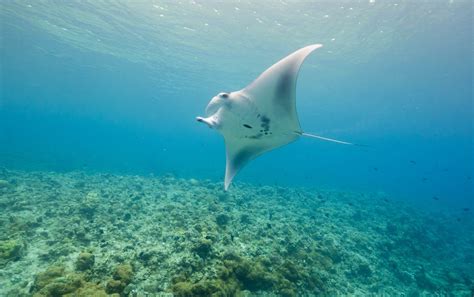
260, 117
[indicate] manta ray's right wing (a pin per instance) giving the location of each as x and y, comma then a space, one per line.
274, 91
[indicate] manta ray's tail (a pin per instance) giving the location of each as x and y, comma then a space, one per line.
325, 138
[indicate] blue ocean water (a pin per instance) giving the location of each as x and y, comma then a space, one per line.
115, 87
109, 185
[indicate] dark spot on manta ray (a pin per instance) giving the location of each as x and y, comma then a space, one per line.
224, 95
247, 126
283, 90
265, 123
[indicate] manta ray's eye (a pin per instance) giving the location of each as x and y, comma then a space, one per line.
224, 95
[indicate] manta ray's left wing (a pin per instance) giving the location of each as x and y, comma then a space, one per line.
239, 151
238, 154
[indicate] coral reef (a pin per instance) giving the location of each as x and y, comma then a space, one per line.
10, 250
203, 248
114, 235
56, 281
4, 183
85, 261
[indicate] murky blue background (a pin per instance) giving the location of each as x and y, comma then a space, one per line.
116, 87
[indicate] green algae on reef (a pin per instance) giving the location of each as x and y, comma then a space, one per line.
80, 234
10, 250
55, 281
85, 261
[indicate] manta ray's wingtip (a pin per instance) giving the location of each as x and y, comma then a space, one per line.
226, 185
314, 46
308, 49
229, 176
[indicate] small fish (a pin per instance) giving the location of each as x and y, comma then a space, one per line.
413, 162
376, 169
435, 198
424, 179
386, 200
466, 209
